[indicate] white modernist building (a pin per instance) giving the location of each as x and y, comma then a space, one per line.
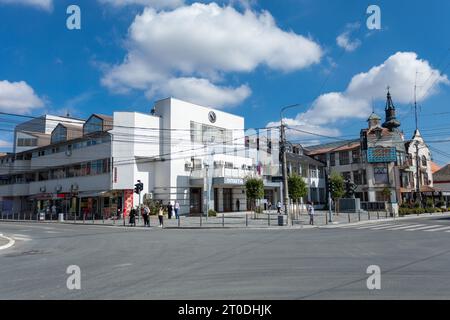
180, 152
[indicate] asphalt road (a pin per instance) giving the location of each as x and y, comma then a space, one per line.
124, 263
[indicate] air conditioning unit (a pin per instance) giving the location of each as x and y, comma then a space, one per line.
188, 165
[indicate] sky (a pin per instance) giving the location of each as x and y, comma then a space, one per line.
247, 57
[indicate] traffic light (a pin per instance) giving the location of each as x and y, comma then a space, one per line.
330, 186
138, 187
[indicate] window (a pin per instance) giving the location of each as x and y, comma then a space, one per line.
381, 175
356, 156
59, 134
424, 161
347, 175
26, 142
344, 158
359, 177
313, 171
206, 134
332, 159
94, 124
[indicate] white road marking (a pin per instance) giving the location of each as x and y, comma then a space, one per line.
406, 227
389, 226
438, 229
423, 228
9, 244
376, 225
48, 231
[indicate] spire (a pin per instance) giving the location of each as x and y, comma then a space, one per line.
391, 121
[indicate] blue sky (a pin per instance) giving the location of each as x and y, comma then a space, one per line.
130, 53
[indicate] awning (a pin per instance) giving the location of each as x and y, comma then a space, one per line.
93, 194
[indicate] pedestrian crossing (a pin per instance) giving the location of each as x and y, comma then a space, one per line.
392, 226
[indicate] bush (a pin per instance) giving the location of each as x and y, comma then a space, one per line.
212, 213
430, 210
259, 209
429, 203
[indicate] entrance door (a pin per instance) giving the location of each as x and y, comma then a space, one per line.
195, 197
227, 200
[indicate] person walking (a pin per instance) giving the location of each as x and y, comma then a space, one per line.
146, 216
161, 216
238, 205
269, 206
169, 210
132, 221
311, 213
177, 210
279, 207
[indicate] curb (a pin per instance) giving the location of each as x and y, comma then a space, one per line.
10, 243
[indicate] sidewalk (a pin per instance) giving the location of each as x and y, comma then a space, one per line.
267, 220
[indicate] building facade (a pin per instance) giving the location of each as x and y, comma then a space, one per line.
180, 152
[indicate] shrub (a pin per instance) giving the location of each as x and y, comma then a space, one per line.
429, 203
212, 213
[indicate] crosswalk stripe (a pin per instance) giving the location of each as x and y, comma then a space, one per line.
423, 228
376, 225
389, 226
406, 226
438, 229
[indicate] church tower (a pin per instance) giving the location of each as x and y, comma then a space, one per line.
391, 122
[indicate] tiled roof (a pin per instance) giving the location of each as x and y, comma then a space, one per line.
335, 146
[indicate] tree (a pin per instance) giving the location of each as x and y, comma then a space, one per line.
386, 192
337, 187
254, 188
297, 188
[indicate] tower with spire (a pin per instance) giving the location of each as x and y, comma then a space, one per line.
391, 122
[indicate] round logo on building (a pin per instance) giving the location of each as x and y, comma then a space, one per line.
212, 116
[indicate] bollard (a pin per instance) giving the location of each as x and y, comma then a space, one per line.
93, 218
326, 219
359, 216
386, 214
103, 218
268, 219
84, 218
201, 217
368, 215
246, 219
348, 214
378, 215
223, 220
179, 221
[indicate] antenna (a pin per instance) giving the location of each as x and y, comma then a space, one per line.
415, 101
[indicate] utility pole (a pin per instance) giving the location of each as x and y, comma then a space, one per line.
284, 170
330, 200
418, 194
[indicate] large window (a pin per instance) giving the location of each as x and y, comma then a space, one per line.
26, 142
94, 124
344, 158
380, 174
356, 156
59, 134
206, 134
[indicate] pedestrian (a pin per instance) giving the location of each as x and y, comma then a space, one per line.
238, 205
132, 221
53, 211
279, 207
161, 216
269, 205
311, 212
146, 216
169, 210
177, 210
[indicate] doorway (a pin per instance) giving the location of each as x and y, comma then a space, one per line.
227, 200
195, 196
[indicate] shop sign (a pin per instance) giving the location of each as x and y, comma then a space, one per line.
381, 154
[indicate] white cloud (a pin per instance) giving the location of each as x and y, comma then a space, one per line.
18, 97
157, 4
205, 41
398, 72
5, 144
343, 40
40, 4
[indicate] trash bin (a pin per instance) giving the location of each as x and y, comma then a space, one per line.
280, 220
61, 217
41, 216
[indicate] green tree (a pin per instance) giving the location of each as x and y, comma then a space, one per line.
337, 187
254, 188
297, 188
386, 192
